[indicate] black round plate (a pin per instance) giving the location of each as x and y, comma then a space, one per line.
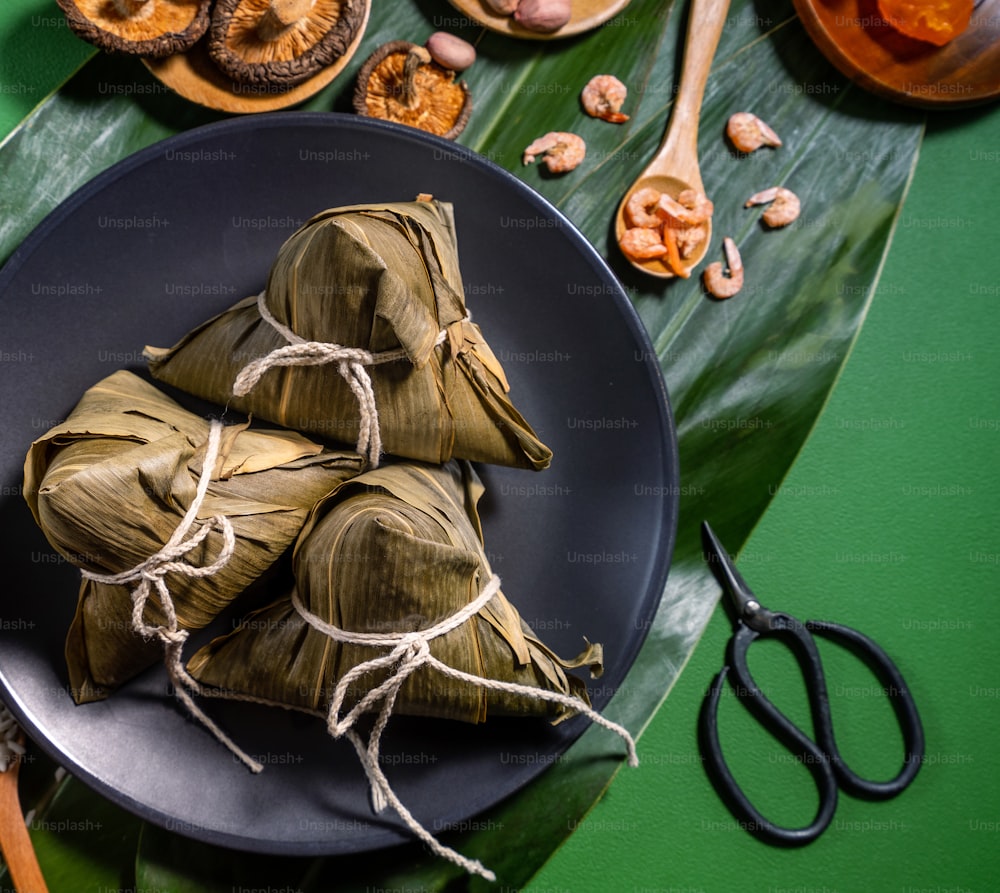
183, 229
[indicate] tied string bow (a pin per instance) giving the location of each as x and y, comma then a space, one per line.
352, 363
150, 575
408, 653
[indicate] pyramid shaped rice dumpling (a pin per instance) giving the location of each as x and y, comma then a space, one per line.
395, 550
110, 485
382, 278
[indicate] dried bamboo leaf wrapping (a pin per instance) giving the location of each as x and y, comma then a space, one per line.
395, 550
109, 486
378, 277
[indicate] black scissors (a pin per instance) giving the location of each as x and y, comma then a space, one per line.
821, 755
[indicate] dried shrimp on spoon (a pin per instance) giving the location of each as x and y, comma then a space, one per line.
674, 170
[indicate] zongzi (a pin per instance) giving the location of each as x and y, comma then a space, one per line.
395, 610
110, 486
362, 336
395, 551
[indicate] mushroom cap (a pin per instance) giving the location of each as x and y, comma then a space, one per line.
252, 47
155, 28
441, 105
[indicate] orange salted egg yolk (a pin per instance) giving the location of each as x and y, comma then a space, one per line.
935, 21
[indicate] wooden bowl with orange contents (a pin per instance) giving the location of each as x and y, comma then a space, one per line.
864, 39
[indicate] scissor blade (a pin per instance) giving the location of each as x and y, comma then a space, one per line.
725, 571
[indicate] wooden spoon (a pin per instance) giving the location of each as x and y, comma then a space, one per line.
15, 842
675, 168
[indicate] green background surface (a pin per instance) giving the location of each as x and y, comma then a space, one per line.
888, 521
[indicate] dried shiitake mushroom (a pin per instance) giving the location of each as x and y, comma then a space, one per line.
401, 82
152, 28
281, 42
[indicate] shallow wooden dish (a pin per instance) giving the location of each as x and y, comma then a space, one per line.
855, 38
587, 14
196, 77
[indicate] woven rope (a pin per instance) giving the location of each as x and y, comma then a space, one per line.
149, 576
352, 363
10, 747
409, 652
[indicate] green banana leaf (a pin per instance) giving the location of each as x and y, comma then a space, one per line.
748, 377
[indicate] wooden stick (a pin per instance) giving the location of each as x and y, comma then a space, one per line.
18, 852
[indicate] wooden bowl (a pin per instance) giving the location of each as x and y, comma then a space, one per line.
865, 48
587, 14
197, 78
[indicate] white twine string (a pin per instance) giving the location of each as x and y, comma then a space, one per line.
351, 364
149, 576
10, 746
409, 652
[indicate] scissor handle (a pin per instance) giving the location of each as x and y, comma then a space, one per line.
822, 755
902, 702
815, 759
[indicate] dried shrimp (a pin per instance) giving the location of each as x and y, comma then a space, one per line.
603, 98
689, 238
560, 152
748, 133
690, 208
784, 205
640, 209
665, 228
724, 283
641, 243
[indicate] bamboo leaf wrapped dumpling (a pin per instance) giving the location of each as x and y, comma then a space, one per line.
381, 282
109, 486
395, 610
395, 550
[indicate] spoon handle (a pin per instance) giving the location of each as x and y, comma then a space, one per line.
15, 843
706, 19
